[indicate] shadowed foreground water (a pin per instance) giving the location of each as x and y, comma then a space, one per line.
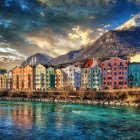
40, 121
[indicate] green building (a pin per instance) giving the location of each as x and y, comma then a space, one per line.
134, 75
50, 77
95, 81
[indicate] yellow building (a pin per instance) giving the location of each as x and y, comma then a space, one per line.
58, 79
40, 77
1, 82
5, 81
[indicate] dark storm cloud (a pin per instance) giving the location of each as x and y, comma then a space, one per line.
31, 26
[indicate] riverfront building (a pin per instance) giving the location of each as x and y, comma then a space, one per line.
1, 82
10, 80
115, 73
6, 77
72, 76
50, 78
85, 73
23, 78
58, 78
95, 81
134, 74
40, 77
3, 79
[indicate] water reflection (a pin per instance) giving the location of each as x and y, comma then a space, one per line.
23, 117
24, 120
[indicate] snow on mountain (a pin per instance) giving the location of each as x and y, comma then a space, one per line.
131, 24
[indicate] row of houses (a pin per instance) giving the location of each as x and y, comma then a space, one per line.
114, 73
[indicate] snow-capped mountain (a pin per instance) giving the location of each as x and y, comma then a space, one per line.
123, 42
131, 24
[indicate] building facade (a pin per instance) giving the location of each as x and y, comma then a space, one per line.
10, 80
50, 78
134, 75
1, 82
6, 77
95, 78
23, 78
72, 76
85, 73
28, 77
115, 73
40, 77
58, 78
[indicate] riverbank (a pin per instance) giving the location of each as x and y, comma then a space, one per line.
73, 101
128, 97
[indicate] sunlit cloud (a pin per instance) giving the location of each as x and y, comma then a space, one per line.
52, 43
84, 35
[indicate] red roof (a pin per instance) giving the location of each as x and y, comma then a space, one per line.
88, 63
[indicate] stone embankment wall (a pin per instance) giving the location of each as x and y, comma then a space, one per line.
107, 97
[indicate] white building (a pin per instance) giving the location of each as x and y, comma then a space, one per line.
72, 75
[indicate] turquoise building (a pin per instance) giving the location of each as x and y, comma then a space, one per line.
95, 81
134, 75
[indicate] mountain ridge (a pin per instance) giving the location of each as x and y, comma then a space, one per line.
37, 58
122, 42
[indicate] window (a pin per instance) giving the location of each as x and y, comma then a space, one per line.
121, 63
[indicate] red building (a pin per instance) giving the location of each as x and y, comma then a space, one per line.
115, 73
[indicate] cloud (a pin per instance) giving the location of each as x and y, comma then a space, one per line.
51, 28
11, 53
51, 42
84, 35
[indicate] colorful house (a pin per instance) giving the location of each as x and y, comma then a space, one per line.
72, 76
6, 77
85, 73
95, 81
134, 75
58, 78
23, 78
3, 79
1, 82
115, 73
10, 80
40, 77
50, 78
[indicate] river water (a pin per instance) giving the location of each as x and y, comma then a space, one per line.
54, 121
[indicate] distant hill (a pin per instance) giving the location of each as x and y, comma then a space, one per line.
36, 59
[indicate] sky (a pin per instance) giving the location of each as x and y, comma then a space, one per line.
55, 27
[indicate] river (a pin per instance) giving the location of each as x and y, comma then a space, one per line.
50, 121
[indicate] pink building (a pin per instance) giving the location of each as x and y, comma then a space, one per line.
115, 73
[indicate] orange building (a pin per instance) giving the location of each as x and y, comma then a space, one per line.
23, 78
58, 79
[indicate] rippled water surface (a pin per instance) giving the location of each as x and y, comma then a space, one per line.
41, 121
